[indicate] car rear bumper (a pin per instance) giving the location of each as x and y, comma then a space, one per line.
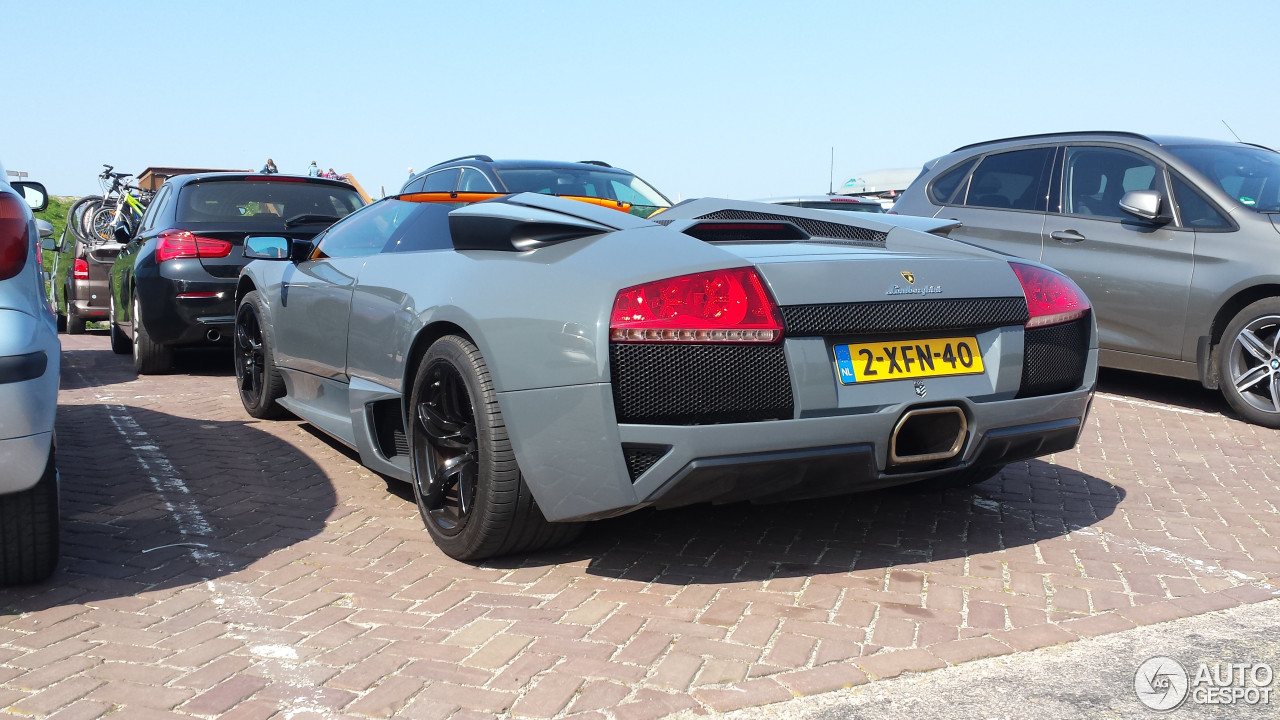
186, 311
90, 309
580, 463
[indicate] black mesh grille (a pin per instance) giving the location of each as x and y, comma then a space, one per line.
903, 316
1054, 358
699, 384
642, 457
817, 228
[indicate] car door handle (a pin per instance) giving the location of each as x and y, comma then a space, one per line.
1066, 236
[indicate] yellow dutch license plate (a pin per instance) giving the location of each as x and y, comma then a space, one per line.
906, 359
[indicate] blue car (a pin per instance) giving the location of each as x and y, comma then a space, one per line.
29, 364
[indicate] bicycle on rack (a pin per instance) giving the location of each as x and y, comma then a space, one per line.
121, 203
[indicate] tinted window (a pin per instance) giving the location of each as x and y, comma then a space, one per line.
1194, 210
944, 188
474, 181
425, 228
153, 210
414, 186
366, 232
441, 181
1015, 180
1098, 177
263, 204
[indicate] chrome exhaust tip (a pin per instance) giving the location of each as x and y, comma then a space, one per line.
927, 435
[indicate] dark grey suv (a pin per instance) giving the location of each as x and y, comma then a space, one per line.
1174, 240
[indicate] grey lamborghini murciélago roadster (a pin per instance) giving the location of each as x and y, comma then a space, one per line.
531, 361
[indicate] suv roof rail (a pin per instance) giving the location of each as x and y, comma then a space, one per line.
481, 158
1264, 147
1121, 133
601, 163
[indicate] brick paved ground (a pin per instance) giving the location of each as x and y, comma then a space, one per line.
217, 566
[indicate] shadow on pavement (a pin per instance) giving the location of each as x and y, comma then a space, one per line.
153, 501
1188, 394
1026, 503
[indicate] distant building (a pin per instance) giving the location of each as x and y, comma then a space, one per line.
883, 185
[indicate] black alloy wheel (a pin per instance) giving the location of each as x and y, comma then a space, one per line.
448, 450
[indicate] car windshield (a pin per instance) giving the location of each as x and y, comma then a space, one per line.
1248, 174
265, 204
645, 201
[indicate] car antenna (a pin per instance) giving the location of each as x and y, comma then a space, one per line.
831, 174
1233, 132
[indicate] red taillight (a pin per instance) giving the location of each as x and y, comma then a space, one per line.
1051, 297
174, 244
721, 306
80, 271
13, 235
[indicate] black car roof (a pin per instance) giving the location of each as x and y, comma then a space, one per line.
231, 176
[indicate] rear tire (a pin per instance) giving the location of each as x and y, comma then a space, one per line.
257, 376
29, 533
75, 323
62, 322
470, 493
149, 358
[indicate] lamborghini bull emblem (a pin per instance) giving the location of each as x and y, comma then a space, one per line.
909, 277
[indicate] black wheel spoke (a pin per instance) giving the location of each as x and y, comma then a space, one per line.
445, 448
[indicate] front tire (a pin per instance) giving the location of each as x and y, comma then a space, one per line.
258, 378
1249, 363
149, 358
473, 500
29, 533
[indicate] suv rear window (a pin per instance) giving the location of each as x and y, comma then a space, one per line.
262, 203
944, 188
1017, 180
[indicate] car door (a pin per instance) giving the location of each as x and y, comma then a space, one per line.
389, 297
1137, 274
120, 279
1003, 204
311, 319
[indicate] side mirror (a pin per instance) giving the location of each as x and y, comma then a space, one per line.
45, 229
34, 193
1144, 205
267, 247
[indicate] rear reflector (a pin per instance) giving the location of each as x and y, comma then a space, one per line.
721, 306
80, 271
13, 235
198, 295
174, 244
1051, 297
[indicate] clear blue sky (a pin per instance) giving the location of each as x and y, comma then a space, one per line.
735, 99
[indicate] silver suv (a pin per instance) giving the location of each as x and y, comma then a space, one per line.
29, 363
1174, 240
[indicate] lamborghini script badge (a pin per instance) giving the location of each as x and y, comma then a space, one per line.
911, 288
906, 275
